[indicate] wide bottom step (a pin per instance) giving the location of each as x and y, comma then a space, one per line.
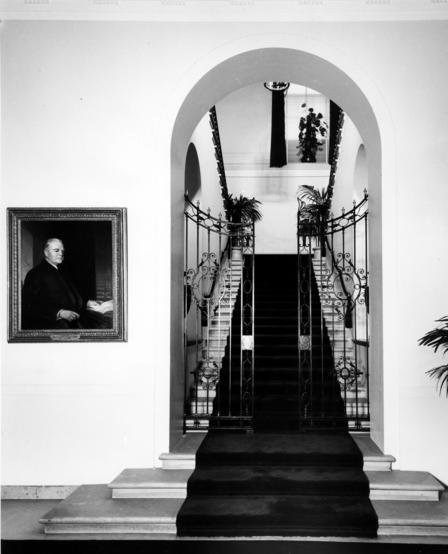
91, 509
341, 516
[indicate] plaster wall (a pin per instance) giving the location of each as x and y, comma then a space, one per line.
86, 122
245, 127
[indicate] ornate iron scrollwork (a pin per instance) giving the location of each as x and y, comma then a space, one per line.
219, 372
337, 322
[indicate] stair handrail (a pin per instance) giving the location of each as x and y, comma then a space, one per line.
335, 155
213, 120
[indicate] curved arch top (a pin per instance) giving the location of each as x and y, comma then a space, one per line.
299, 59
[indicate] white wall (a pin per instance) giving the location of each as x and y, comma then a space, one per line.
244, 118
86, 122
245, 126
79, 129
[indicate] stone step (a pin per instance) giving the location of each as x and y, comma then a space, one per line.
201, 408
199, 426
92, 510
384, 485
202, 392
150, 483
412, 518
216, 324
183, 455
374, 459
404, 485
218, 329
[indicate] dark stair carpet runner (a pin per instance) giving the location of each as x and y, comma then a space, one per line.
280, 480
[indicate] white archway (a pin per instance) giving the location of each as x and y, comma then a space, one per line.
273, 57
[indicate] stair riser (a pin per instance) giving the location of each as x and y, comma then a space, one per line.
346, 489
135, 528
150, 493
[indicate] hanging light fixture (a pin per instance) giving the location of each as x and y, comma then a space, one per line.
278, 156
275, 86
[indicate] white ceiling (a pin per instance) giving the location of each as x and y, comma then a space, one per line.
226, 10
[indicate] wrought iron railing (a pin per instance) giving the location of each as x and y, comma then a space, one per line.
218, 321
334, 154
333, 318
213, 119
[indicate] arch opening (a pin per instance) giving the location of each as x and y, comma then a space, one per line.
249, 67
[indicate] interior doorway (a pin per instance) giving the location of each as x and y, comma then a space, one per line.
255, 66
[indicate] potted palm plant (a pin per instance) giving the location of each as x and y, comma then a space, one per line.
242, 212
438, 338
314, 201
314, 206
312, 131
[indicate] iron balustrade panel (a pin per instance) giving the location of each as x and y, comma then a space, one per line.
333, 319
218, 321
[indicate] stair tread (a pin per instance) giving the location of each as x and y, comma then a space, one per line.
280, 445
403, 480
274, 479
94, 504
151, 478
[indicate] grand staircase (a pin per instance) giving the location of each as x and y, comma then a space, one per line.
282, 480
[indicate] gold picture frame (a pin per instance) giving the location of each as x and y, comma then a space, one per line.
94, 266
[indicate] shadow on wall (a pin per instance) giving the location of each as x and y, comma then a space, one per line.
192, 172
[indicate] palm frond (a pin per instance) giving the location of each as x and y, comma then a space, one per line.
436, 338
242, 209
313, 195
440, 373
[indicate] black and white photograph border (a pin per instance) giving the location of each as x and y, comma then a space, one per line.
51, 220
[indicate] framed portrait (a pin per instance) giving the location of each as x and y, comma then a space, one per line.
67, 274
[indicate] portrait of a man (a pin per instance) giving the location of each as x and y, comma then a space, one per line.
67, 274
51, 300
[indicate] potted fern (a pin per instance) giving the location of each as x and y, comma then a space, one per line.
242, 212
312, 130
438, 338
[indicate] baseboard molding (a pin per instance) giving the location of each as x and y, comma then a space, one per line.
36, 492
